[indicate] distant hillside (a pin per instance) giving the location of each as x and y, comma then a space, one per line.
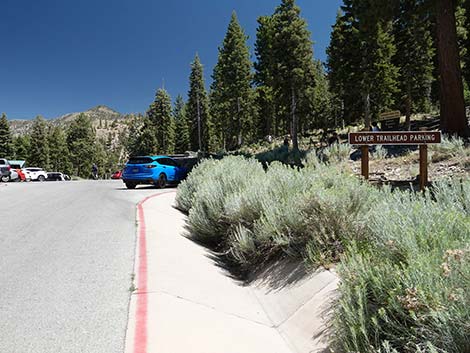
103, 118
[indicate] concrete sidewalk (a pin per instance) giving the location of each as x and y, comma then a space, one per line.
194, 306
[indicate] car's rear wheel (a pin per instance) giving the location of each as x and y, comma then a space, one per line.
41, 178
130, 185
161, 182
5, 178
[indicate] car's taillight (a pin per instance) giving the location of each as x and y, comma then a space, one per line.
8, 167
150, 166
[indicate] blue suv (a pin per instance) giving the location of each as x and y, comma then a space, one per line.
153, 170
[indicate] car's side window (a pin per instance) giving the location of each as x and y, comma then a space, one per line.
168, 162
171, 162
162, 161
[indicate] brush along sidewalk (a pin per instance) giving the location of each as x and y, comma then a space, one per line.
185, 303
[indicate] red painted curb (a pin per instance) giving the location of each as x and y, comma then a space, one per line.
141, 314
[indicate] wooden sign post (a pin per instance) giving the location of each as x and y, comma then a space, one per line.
421, 138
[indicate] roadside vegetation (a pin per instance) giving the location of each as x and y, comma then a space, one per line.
403, 257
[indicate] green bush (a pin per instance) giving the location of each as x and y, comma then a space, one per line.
404, 258
188, 188
309, 213
281, 154
410, 285
208, 219
379, 153
450, 147
336, 153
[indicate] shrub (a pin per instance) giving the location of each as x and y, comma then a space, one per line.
336, 153
449, 148
404, 257
188, 188
280, 154
310, 213
380, 153
207, 217
410, 286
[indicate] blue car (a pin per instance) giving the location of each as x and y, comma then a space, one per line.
153, 170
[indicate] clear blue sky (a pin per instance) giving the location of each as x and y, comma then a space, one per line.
61, 56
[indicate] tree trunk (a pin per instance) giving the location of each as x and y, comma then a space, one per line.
239, 123
408, 104
199, 138
367, 121
453, 119
295, 123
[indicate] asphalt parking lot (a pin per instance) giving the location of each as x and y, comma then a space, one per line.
66, 261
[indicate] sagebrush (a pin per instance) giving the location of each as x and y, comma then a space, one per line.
404, 258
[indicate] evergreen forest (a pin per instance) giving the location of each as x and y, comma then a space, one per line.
407, 55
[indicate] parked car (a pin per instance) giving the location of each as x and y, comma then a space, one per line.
5, 170
37, 173
27, 174
117, 175
153, 170
55, 176
16, 166
3, 176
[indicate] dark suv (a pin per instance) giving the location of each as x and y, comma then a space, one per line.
4, 170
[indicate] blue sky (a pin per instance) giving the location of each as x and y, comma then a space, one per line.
62, 56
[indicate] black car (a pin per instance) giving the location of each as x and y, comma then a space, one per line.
55, 177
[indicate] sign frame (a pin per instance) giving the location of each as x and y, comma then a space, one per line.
397, 138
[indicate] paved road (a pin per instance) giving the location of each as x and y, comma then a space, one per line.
66, 261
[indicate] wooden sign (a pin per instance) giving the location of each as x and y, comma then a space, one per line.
390, 121
421, 138
390, 115
395, 138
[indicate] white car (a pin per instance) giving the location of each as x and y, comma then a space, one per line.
36, 173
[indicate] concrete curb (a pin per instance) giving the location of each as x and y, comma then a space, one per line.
191, 305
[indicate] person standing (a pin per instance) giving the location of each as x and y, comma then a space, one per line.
94, 171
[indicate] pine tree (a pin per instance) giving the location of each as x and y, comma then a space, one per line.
100, 157
231, 92
379, 74
414, 57
322, 104
6, 145
366, 29
294, 73
81, 144
264, 78
181, 126
39, 149
198, 108
21, 147
146, 142
344, 61
133, 133
59, 156
160, 115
